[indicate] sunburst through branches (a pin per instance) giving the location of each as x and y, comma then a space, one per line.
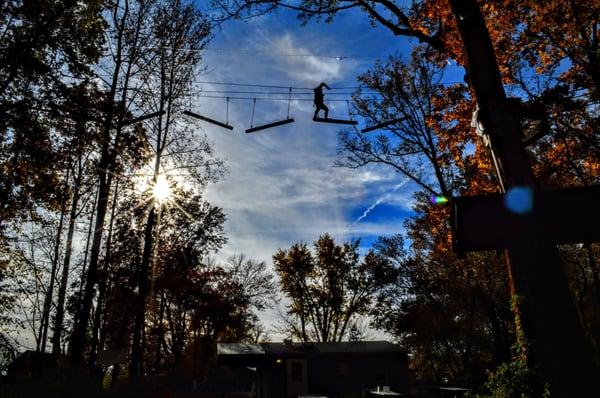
161, 190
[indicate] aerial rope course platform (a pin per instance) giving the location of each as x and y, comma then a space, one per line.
287, 120
292, 93
210, 120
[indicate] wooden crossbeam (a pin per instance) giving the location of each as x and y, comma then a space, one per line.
383, 124
207, 119
335, 121
270, 125
142, 118
563, 216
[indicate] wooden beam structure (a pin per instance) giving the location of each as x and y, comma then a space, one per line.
550, 326
270, 125
335, 121
383, 124
207, 119
562, 216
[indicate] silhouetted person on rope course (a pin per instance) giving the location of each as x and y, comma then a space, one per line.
319, 100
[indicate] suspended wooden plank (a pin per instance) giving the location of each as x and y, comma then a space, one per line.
142, 118
270, 125
335, 121
383, 124
207, 119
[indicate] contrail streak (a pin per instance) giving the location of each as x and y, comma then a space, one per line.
378, 202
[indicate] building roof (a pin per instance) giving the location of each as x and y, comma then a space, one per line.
239, 349
308, 348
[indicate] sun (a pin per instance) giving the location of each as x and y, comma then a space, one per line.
161, 189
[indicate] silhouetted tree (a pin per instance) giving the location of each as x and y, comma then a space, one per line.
410, 146
129, 21
179, 32
258, 284
40, 42
327, 289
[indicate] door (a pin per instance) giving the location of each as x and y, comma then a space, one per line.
296, 377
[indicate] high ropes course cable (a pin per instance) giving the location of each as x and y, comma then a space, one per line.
264, 92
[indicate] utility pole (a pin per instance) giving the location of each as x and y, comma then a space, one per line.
549, 319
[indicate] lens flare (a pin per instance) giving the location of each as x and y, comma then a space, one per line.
438, 200
519, 200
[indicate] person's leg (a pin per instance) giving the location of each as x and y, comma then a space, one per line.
326, 110
319, 105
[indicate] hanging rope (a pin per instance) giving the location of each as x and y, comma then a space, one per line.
253, 108
289, 101
349, 113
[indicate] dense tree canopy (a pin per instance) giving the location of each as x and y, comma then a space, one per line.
74, 191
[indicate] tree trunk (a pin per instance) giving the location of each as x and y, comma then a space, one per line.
160, 333
136, 341
95, 346
78, 337
60, 305
48, 299
137, 348
87, 244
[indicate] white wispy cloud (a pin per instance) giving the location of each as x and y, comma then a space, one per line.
307, 67
379, 200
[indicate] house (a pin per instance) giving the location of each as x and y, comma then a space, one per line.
430, 391
332, 370
42, 374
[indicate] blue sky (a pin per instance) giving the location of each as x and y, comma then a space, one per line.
282, 186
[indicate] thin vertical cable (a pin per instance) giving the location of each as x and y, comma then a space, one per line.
289, 101
349, 113
253, 108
